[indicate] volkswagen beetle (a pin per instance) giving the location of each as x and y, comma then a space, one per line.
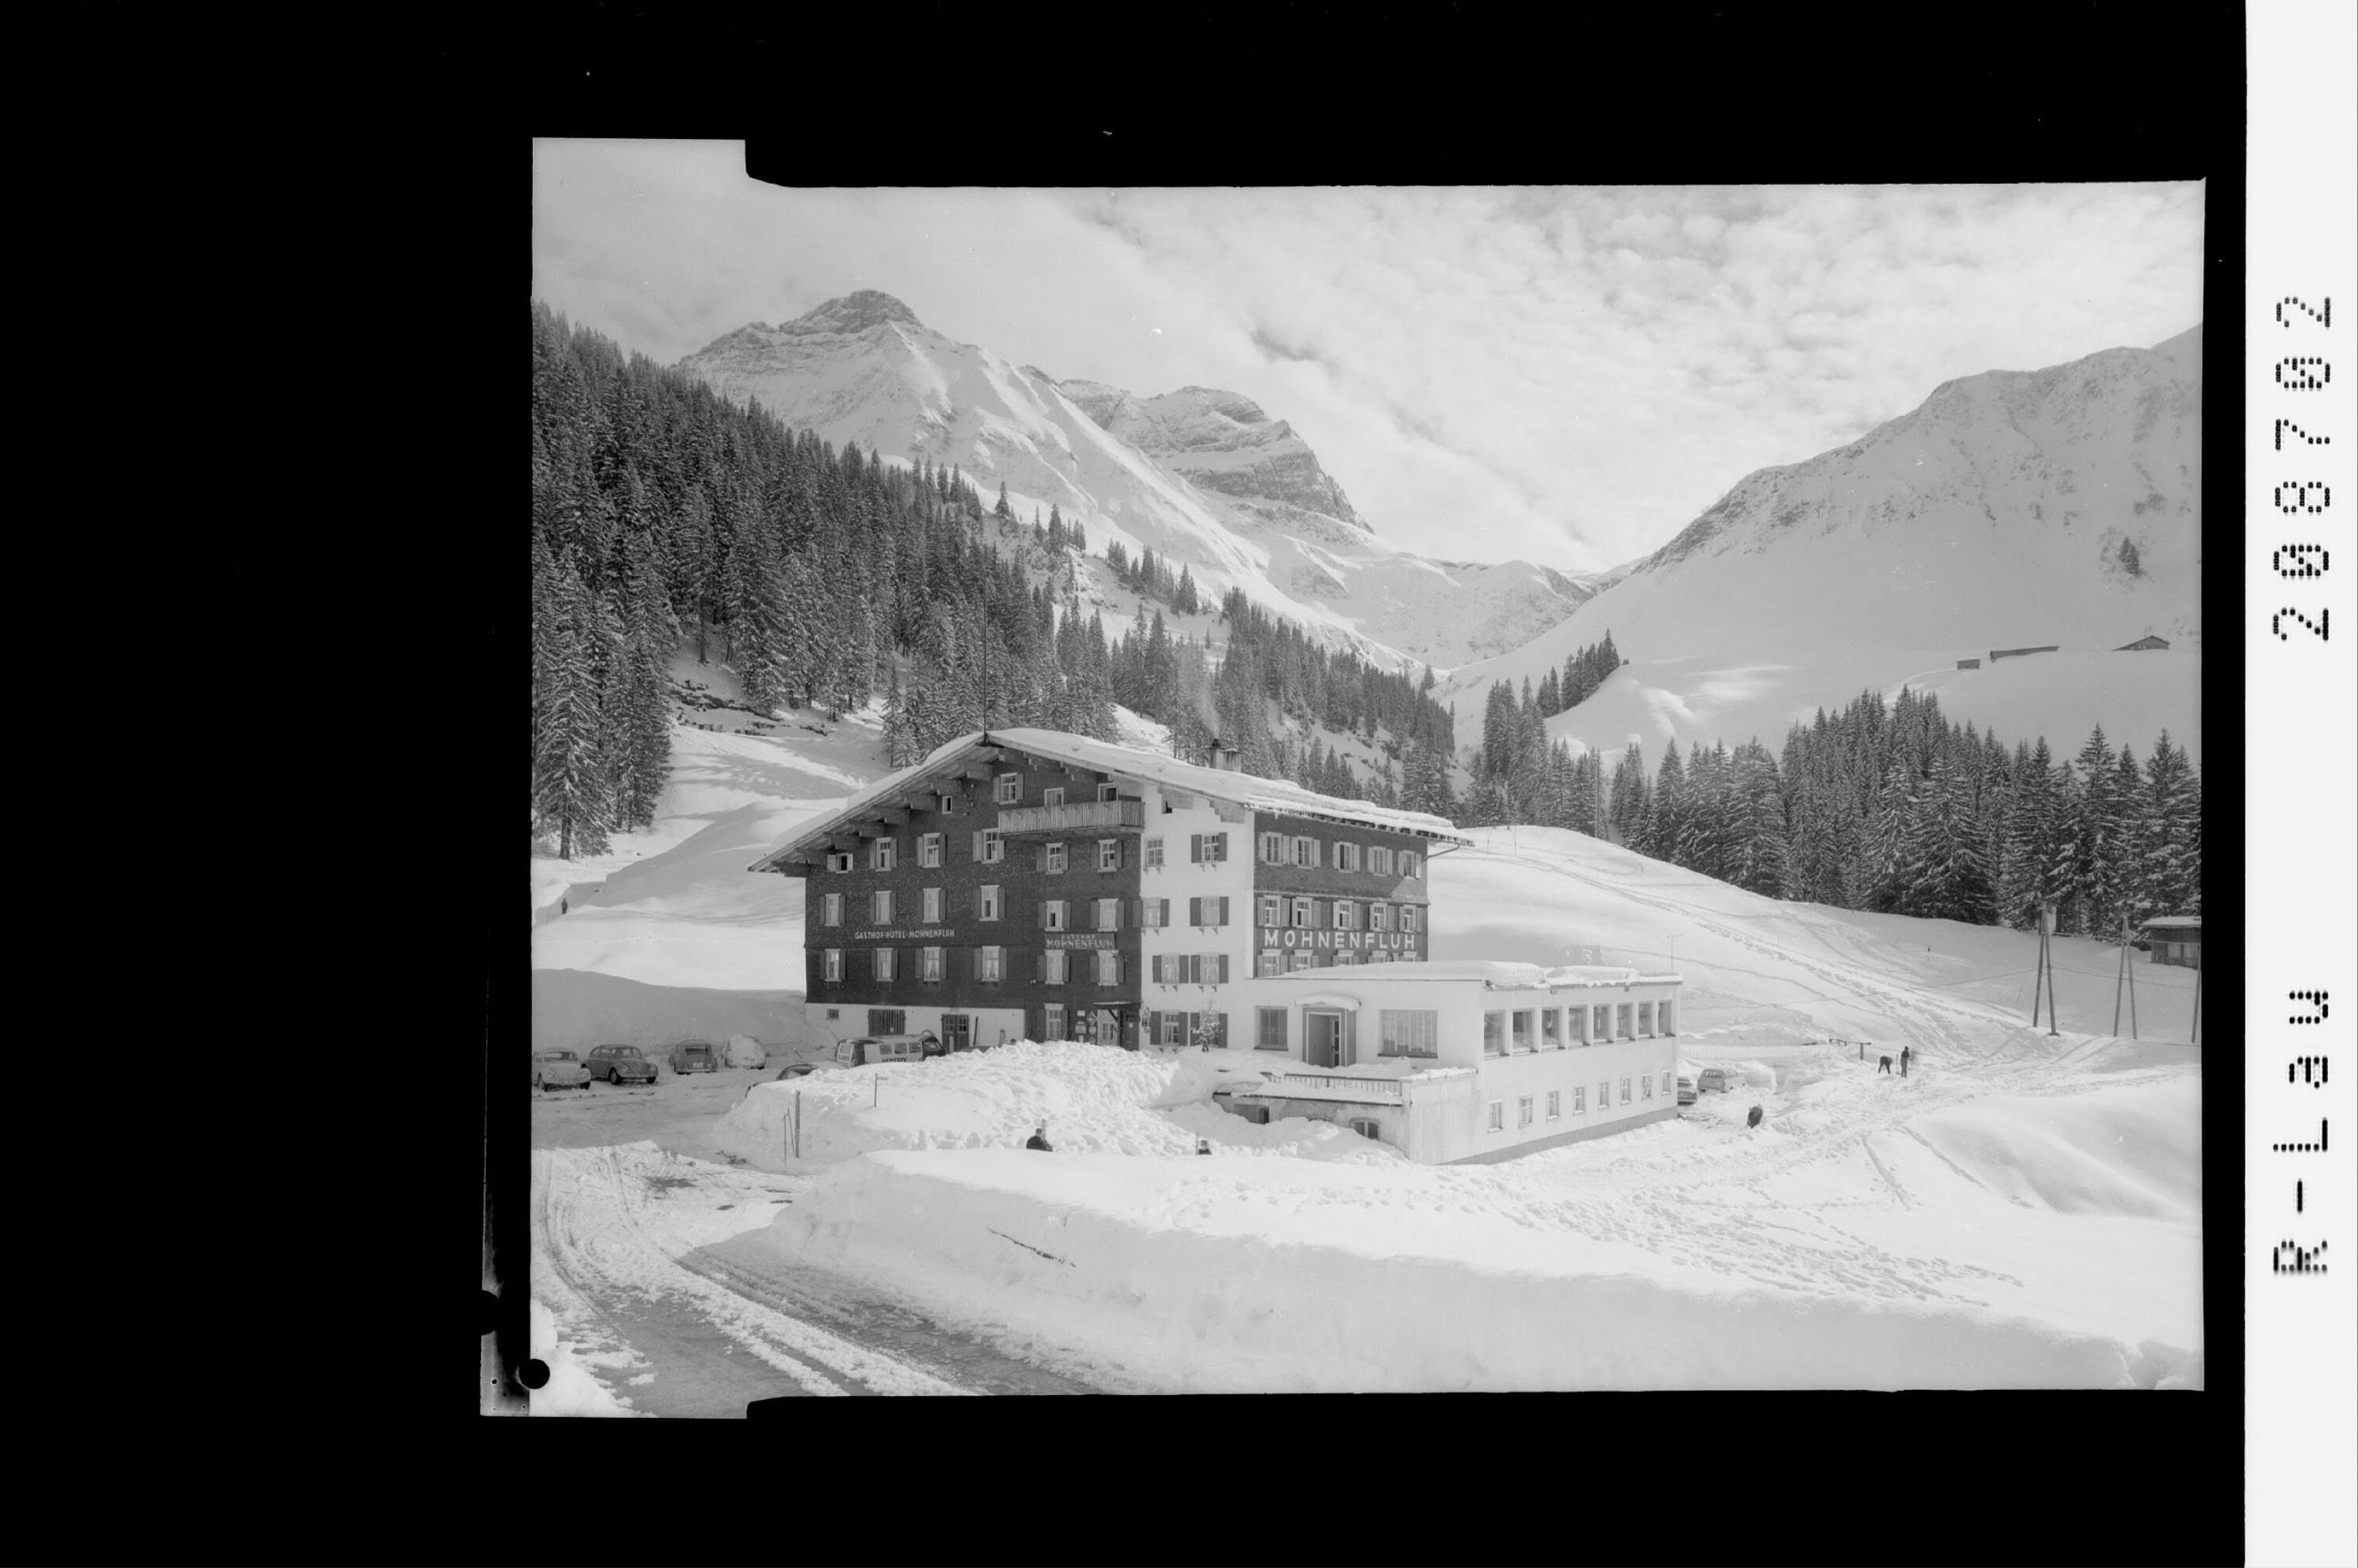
555, 1069
621, 1064
696, 1056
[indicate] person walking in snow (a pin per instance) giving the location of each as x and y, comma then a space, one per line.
1905, 1052
1039, 1140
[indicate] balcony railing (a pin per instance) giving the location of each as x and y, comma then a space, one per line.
1340, 1084
1081, 817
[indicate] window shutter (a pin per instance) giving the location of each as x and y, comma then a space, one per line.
1195, 912
1153, 1028
1223, 919
977, 846
1196, 845
1224, 970
1317, 851
1039, 857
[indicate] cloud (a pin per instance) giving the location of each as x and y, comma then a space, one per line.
1565, 375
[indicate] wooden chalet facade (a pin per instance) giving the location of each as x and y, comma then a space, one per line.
1029, 883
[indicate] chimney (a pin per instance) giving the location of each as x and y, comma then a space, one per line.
1223, 756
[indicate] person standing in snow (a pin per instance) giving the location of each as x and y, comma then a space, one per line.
1039, 1140
1203, 1146
1905, 1052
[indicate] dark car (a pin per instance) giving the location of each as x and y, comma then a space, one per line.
696, 1056
868, 1050
802, 1070
620, 1064
1715, 1080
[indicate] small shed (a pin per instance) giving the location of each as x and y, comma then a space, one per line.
2141, 643
1969, 663
2174, 939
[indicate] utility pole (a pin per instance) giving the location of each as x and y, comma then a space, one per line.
2045, 969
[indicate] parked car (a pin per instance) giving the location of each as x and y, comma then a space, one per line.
1686, 1090
802, 1070
696, 1056
866, 1050
621, 1064
1715, 1080
555, 1069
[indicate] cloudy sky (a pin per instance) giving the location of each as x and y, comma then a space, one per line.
1565, 375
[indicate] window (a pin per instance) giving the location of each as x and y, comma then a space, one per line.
1153, 913
830, 909
1052, 914
1109, 967
1579, 1099
879, 906
1051, 1018
1367, 1127
929, 849
1522, 1025
1379, 860
1109, 915
1645, 1018
1379, 917
1108, 854
1052, 971
1411, 864
1346, 915
1106, 792
1408, 1033
1601, 1028
1301, 911
1551, 1030
1346, 856
838, 861
880, 854
1207, 911
929, 963
1646, 1085
986, 902
1155, 854
1052, 857
1010, 789
887, 1021
1266, 964
1272, 848
1625, 1091
1306, 852
989, 965
1494, 1034
1208, 847
1052, 797
1603, 1097
1170, 1029
994, 848
1268, 1032
1412, 919
944, 804
1621, 1030
1272, 910
1344, 957
932, 903
1498, 1116
832, 964
1523, 1111
1297, 962
883, 963
1556, 1105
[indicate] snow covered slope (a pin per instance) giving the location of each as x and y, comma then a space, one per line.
2061, 506
1202, 477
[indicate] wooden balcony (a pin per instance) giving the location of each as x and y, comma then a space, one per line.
1080, 820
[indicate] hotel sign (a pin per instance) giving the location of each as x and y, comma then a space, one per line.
1080, 939
1278, 938
889, 936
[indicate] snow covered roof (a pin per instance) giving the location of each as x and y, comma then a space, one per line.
1129, 762
2174, 923
1489, 972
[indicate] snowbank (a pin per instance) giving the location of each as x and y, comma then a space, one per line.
571, 1388
1092, 1098
1293, 1276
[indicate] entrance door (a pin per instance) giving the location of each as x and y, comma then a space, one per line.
1322, 1039
957, 1032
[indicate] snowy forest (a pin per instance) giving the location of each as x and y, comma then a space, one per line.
1887, 807
663, 517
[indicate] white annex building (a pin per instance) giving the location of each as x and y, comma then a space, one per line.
1469, 1061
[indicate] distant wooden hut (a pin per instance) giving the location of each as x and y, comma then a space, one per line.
1969, 663
2174, 939
2142, 642
1997, 653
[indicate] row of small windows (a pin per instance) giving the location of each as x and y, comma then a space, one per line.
1055, 914
1299, 849
1198, 1029
1055, 967
1523, 1103
989, 848
1292, 962
1337, 913
1518, 1031
1007, 790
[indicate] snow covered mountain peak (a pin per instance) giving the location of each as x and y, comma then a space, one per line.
1223, 441
860, 311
